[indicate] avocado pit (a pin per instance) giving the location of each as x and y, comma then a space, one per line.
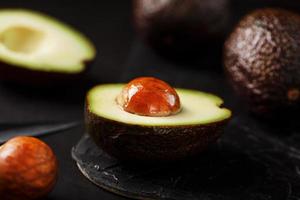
293, 94
28, 169
148, 96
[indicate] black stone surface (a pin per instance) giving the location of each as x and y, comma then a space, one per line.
247, 163
254, 160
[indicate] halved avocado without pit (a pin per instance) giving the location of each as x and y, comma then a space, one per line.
36, 48
134, 137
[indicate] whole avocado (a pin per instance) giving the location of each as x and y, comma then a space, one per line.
262, 60
180, 26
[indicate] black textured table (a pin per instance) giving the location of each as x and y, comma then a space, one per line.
253, 160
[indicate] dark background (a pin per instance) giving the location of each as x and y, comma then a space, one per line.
122, 56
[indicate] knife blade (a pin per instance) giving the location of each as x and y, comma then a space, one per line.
36, 130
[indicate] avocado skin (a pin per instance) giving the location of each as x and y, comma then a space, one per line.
21, 75
262, 61
150, 143
181, 26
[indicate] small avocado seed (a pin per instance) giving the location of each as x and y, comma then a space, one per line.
28, 169
149, 96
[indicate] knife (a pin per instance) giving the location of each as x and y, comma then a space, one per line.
35, 130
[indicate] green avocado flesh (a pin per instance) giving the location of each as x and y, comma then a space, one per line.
35, 41
197, 108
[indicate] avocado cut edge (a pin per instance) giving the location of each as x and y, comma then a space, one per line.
196, 107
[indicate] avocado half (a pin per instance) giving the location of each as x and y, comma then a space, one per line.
133, 137
35, 48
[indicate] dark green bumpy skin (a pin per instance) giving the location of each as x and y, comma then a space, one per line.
181, 26
150, 143
262, 60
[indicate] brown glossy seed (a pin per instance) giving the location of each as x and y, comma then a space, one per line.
293, 94
28, 169
149, 96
